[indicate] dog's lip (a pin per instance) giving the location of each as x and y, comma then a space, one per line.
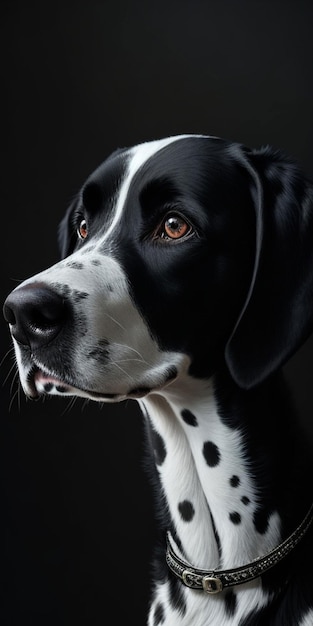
40, 383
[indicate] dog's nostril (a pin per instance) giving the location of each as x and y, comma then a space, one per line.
36, 314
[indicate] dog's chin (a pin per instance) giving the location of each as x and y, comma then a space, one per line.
40, 383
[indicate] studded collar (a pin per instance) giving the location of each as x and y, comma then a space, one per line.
213, 581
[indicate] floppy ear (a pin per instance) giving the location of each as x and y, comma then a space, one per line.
277, 316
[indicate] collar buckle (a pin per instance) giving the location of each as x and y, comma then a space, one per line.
212, 584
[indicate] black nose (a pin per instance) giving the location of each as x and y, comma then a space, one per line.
36, 314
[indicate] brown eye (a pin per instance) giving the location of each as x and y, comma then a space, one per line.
82, 230
175, 227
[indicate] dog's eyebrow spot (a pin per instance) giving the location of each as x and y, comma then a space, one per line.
159, 616
234, 481
230, 603
158, 447
235, 517
189, 417
186, 510
211, 453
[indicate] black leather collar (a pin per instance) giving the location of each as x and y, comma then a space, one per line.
214, 580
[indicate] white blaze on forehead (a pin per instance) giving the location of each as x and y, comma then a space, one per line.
139, 155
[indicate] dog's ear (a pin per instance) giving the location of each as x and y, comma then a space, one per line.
66, 233
277, 316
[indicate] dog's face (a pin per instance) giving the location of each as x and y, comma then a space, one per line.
159, 254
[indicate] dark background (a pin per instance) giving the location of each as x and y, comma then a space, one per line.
80, 79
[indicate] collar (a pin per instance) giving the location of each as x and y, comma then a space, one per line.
213, 581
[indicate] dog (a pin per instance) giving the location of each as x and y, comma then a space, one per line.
186, 283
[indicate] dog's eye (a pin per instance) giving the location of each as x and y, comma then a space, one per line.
174, 227
82, 230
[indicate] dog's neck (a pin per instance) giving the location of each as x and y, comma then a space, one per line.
227, 469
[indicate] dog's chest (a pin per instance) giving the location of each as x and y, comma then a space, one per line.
211, 497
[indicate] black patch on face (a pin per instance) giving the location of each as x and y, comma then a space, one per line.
235, 517
177, 596
92, 197
100, 352
211, 453
158, 617
189, 417
213, 265
186, 510
230, 603
234, 481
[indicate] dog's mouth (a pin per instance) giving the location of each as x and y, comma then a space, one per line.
41, 383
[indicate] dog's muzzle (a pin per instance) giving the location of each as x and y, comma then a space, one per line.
36, 315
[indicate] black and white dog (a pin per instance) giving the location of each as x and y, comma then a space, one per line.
186, 283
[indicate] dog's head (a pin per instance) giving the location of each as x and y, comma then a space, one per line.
178, 254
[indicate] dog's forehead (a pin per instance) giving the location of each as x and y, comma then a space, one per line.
120, 171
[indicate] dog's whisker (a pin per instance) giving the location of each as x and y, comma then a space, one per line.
122, 370
16, 395
9, 374
69, 405
115, 321
122, 345
7, 355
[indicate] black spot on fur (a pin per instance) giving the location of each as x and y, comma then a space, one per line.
261, 520
186, 510
235, 481
189, 417
100, 352
235, 517
158, 447
48, 387
75, 265
159, 616
245, 500
230, 603
211, 453
79, 295
95, 262
177, 596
